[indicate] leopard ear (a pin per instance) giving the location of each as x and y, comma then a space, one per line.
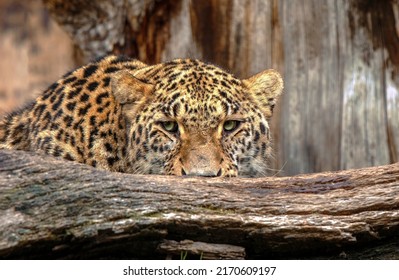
127, 89
265, 88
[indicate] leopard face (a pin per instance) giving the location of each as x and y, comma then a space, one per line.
183, 117
190, 118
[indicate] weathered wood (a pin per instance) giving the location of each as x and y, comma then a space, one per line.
206, 251
363, 81
341, 95
311, 104
51, 208
35, 52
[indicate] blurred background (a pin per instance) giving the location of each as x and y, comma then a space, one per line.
339, 60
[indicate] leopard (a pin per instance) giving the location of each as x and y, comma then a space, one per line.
183, 117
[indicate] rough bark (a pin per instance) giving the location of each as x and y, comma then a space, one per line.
50, 208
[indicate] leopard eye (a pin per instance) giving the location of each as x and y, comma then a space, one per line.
170, 126
230, 125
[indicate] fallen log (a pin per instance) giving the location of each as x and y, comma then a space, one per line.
51, 208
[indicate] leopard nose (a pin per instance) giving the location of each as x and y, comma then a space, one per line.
202, 172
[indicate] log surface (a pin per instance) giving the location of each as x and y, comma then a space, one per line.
50, 208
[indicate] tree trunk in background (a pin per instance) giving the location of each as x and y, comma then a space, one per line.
340, 85
339, 60
34, 52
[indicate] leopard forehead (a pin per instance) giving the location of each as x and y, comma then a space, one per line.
196, 93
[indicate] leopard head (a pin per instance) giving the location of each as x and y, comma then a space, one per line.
186, 117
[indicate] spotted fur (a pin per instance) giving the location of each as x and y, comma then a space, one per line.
111, 114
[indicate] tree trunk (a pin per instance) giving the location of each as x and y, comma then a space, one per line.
50, 208
35, 52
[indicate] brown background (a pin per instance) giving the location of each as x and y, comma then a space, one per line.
339, 60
